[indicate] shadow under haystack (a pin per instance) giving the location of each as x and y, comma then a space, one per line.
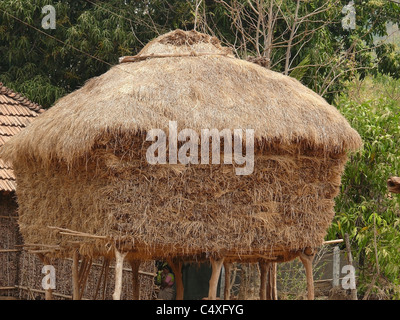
85, 186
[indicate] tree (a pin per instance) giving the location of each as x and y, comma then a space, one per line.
364, 208
301, 38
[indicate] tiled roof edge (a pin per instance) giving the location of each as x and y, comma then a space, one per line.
20, 99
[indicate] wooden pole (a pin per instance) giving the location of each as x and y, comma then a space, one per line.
216, 270
75, 275
268, 290
119, 264
272, 293
176, 266
85, 276
48, 295
227, 288
307, 259
106, 270
103, 267
135, 264
263, 279
336, 266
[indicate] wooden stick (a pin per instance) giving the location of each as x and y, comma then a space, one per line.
43, 291
144, 57
100, 278
107, 268
10, 250
118, 273
84, 276
76, 233
75, 275
333, 241
38, 245
81, 270
82, 235
8, 288
216, 270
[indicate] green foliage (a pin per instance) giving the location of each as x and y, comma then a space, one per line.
365, 209
389, 60
91, 35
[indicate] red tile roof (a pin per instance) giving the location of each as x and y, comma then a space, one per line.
16, 112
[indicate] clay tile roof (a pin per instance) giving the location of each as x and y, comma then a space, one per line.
16, 112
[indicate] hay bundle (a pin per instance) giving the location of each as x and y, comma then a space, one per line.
82, 165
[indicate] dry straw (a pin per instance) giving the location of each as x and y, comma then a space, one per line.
82, 166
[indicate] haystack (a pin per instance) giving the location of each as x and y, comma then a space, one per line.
85, 184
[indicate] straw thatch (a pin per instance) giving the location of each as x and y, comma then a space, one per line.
393, 184
81, 165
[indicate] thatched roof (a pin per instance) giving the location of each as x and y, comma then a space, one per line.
81, 166
190, 78
16, 112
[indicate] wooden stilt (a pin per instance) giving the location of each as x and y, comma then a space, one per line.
216, 270
119, 256
176, 266
106, 270
272, 293
85, 275
48, 294
103, 267
75, 275
135, 264
307, 258
227, 289
268, 290
263, 279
